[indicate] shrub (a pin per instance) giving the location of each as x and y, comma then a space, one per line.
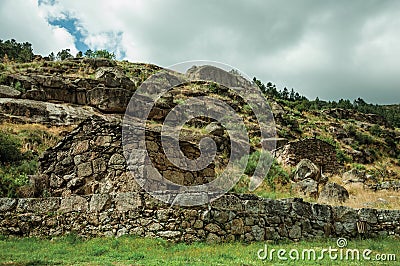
342, 157
359, 167
351, 130
276, 173
10, 149
252, 161
364, 138
376, 130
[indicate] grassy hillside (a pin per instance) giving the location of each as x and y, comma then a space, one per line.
366, 136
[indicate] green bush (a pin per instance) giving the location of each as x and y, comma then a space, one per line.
351, 130
9, 149
252, 161
276, 173
376, 130
363, 138
342, 157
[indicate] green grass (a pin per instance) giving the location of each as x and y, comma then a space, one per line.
128, 250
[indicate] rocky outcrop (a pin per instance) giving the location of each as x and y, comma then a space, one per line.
333, 192
29, 111
8, 92
354, 176
215, 74
307, 177
352, 114
78, 82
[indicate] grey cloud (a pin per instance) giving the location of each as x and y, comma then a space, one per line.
320, 48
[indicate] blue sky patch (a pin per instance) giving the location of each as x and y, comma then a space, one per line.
70, 24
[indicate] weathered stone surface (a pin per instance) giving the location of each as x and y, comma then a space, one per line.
237, 227
307, 187
85, 169
113, 77
38, 205
73, 203
317, 151
7, 204
227, 202
169, 234
98, 202
306, 169
8, 92
127, 201
23, 110
295, 232
354, 176
333, 192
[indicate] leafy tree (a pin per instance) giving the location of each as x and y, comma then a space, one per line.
285, 94
13, 50
64, 54
52, 56
89, 53
10, 149
79, 54
100, 54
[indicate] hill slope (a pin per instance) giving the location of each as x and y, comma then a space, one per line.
40, 102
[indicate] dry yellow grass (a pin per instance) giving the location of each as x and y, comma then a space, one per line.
49, 135
361, 197
15, 128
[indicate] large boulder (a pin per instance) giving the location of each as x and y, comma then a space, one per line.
29, 111
109, 100
8, 92
333, 192
307, 187
113, 77
306, 169
354, 176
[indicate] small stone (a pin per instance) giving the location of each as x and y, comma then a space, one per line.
213, 228
237, 227
295, 232
169, 234
116, 159
85, 169
213, 238
80, 147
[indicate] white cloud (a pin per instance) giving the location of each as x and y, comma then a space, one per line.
322, 48
24, 21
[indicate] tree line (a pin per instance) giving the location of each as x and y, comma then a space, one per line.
11, 50
301, 103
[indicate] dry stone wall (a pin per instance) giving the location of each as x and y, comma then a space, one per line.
231, 217
319, 152
90, 160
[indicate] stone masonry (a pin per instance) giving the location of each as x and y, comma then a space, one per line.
231, 217
318, 151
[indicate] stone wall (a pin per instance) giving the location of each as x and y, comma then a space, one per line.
231, 217
319, 152
90, 160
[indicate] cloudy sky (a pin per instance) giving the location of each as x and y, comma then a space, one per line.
331, 49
